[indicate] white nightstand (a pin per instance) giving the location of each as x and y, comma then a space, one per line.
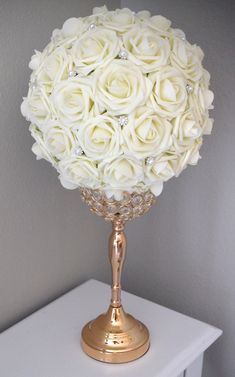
47, 343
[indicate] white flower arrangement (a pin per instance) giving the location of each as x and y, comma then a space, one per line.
118, 101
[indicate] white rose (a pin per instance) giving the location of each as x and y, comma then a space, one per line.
36, 107
58, 39
78, 172
186, 128
177, 33
120, 20
95, 49
74, 27
169, 96
121, 87
189, 157
146, 49
59, 140
162, 169
100, 10
143, 15
39, 148
205, 79
36, 60
146, 134
207, 125
187, 58
54, 68
193, 154
156, 188
201, 99
122, 173
100, 137
73, 100
159, 23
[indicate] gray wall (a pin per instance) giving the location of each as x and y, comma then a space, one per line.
183, 253
49, 242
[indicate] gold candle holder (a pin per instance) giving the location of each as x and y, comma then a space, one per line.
116, 337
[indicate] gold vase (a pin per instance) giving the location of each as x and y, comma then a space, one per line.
115, 336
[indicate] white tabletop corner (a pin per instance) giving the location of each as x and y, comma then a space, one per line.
47, 343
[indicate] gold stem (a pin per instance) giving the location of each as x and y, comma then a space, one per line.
117, 253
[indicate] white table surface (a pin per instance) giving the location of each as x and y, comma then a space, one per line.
47, 343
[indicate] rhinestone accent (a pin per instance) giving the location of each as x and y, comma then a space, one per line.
123, 54
133, 205
92, 27
189, 88
123, 120
78, 151
72, 73
75, 73
150, 161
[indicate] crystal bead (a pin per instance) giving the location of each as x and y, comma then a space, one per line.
78, 151
136, 200
72, 73
98, 206
92, 27
123, 54
113, 208
150, 161
126, 198
126, 209
97, 195
189, 88
85, 192
148, 197
123, 120
110, 200
136, 211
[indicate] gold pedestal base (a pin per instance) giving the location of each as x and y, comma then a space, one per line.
115, 337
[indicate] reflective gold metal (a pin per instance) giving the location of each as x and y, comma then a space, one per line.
116, 337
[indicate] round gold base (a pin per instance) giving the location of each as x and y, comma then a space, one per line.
115, 337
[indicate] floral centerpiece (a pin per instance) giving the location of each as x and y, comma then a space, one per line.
118, 104
118, 101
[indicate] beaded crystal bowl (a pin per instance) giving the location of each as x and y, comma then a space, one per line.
131, 206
